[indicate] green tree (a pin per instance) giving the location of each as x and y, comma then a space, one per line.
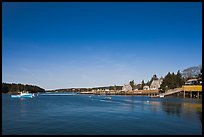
166, 82
6, 87
179, 79
142, 84
132, 84
172, 81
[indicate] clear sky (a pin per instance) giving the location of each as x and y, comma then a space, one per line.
64, 45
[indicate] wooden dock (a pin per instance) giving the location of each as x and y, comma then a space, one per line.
191, 90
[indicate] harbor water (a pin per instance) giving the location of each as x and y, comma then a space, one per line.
80, 114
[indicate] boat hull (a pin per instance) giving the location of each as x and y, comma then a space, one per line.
23, 96
15, 96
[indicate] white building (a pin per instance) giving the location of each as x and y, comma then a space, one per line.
126, 88
146, 88
106, 89
192, 82
155, 85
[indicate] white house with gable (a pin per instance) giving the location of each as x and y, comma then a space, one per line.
126, 88
155, 85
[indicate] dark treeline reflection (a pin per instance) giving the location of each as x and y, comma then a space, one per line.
172, 108
200, 115
182, 109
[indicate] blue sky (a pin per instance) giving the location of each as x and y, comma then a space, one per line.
63, 45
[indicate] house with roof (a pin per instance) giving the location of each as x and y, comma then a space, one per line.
146, 88
155, 85
126, 88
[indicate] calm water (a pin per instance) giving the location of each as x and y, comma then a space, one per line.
87, 115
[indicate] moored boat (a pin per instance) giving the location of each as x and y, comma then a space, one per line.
23, 95
156, 96
161, 96
108, 98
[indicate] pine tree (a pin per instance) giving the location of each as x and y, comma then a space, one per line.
142, 84
179, 79
132, 83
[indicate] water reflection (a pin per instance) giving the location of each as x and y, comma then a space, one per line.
84, 114
155, 106
132, 103
190, 107
200, 116
172, 108
22, 107
188, 110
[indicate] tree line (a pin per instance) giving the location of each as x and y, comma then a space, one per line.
172, 81
14, 88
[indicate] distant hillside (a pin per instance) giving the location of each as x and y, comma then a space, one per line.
192, 71
13, 88
86, 89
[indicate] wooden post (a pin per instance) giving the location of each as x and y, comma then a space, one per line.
190, 94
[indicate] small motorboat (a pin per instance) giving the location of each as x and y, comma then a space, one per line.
23, 95
161, 96
157, 96
108, 98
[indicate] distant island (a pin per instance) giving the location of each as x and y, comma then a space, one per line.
15, 88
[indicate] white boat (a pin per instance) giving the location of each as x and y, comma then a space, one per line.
108, 98
23, 95
161, 96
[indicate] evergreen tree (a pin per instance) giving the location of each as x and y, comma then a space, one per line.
172, 81
6, 87
142, 84
179, 79
132, 84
